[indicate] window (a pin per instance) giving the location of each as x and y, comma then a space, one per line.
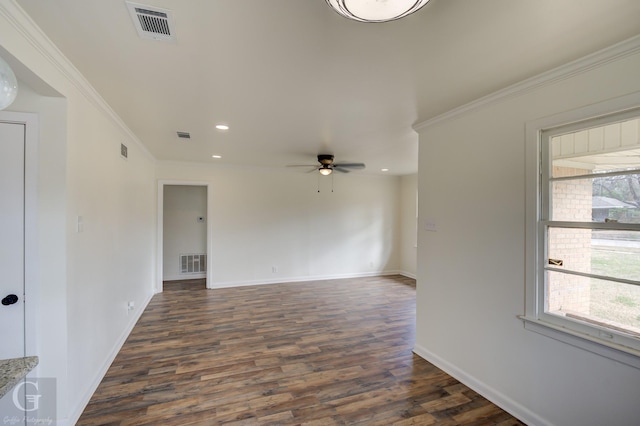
586, 275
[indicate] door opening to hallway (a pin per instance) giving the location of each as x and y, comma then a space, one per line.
184, 243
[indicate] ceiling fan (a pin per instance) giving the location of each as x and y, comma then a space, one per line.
327, 166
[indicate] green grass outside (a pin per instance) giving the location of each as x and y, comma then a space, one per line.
615, 301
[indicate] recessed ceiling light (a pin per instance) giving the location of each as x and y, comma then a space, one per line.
222, 127
384, 170
216, 156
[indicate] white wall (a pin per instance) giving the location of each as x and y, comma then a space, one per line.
86, 278
183, 234
112, 261
471, 270
408, 214
265, 218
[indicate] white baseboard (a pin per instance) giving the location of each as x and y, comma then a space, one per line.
501, 400
408, 274
184, 277
79, 407
227, 284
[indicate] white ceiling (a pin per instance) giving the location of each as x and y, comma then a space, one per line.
294, 79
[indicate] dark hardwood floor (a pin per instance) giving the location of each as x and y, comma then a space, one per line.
333, 352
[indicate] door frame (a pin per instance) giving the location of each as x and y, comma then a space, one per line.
160, 230
31, 264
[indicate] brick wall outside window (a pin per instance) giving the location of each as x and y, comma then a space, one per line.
572, 201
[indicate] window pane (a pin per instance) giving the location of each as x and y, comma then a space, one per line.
610, 253
590, 218
600, 302
608, 148
597, 199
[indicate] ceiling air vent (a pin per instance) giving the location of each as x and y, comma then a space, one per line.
184, 135
152, 22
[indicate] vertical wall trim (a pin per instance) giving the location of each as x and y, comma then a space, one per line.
210, 201
159, 240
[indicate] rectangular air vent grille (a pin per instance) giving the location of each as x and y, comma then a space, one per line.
124, 152
184, 135
193, 263
152, 23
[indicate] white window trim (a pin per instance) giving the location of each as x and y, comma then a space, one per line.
534, 318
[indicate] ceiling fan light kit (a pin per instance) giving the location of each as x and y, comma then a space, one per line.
327, 166
325, 170
376, 10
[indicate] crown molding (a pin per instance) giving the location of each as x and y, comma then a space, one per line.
33, 34
597, 59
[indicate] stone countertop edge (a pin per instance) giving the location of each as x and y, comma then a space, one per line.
13, 370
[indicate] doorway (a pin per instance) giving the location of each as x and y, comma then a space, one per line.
184, 232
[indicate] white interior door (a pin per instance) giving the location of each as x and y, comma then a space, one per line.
12, 200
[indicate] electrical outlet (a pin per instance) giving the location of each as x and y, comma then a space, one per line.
274, 269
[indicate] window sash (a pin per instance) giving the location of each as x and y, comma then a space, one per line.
595, 332
633, 171
534, 319
617, 339
613, 226
596, 276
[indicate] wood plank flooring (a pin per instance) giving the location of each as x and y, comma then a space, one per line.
333, 352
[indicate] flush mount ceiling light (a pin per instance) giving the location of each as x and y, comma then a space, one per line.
222, 127
216, 156
8, 85
376, 10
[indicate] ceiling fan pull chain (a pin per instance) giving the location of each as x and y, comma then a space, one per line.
318, 184
332, 176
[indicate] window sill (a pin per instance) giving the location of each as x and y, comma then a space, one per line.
622, 354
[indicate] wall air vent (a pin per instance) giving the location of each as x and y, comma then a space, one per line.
184, 135
193, 263
152, 22
124, 152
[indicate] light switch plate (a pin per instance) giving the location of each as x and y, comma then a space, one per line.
430, 225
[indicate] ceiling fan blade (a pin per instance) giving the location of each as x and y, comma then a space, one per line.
350, 165
312, 168
340, 169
